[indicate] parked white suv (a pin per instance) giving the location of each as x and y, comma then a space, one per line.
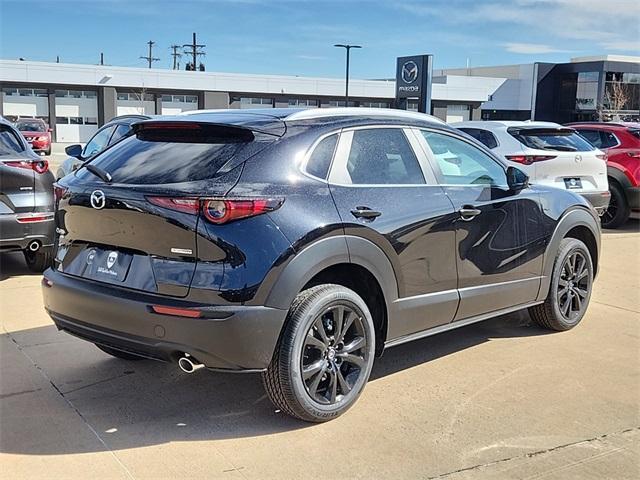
549, 153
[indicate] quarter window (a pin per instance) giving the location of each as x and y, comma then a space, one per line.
382, 156
320, 160
485, 137
460, 163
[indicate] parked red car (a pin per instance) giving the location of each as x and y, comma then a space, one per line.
621, 142
37, 133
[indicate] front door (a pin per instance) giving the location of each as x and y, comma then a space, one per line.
500, 234
386, 192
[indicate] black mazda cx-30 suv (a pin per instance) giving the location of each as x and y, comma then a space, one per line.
301, 244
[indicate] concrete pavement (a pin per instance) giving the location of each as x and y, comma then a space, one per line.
500, 399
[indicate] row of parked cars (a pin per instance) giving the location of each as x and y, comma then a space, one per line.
600, 161
302, 243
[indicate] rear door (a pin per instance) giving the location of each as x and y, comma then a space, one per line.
500, 235
140, 229
562, 158
386, 192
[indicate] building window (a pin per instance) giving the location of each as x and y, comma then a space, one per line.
587, 91
75, 120
375, 104
62, 120
135, 97
337, 103
256, 102
90, 121
300, 102
412, 105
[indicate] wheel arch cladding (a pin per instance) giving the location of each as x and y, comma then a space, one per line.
576, 223
367, 271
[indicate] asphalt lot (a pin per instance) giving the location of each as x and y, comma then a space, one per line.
500, 399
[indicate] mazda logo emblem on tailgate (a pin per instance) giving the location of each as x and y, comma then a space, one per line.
578, 158
98, 199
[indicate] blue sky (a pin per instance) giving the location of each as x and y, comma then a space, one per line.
296, 37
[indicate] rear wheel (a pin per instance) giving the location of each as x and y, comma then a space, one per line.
39, 260
618, 210
325, 355
570, 289
119, 353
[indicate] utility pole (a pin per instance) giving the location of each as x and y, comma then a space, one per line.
57, 58
150, 58
192, 50
348, 49
176, 56
101, 58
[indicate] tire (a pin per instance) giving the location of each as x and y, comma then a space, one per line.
119, 353
312, 341
618, 211
48, 151
570, 289
40, 260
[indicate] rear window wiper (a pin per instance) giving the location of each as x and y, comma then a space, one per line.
562, 148
98, 172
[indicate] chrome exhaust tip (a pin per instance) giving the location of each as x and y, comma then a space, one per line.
189, 365
34, 246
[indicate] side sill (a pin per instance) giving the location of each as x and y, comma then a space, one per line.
460, 323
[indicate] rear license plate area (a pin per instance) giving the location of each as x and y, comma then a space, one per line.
106, 265
573, 183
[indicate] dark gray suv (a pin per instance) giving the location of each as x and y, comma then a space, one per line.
26, 200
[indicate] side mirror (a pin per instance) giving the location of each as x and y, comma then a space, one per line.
517, 179
74, 151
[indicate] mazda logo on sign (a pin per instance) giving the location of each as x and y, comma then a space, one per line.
410, 72
98, 199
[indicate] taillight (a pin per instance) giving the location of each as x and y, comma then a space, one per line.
34, 217
634, 154
38, 166
226, 210
186, 205
59, 191
176, 311
42, 139
602, 156
219, 210
529, 159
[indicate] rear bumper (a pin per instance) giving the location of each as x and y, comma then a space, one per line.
599, 200
633, 197
17, 236
234, 338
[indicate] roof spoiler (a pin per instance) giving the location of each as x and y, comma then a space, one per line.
189, 131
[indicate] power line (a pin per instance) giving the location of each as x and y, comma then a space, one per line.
176, 57
192, 50
150, 58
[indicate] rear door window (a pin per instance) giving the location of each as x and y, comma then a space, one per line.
121, 131
98, 142
600, 138
485, 137
381, 156
557, 139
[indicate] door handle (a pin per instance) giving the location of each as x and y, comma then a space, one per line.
365, 212
468, 213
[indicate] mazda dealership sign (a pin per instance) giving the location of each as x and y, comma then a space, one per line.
413, 80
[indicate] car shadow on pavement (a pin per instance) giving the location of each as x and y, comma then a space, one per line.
631, 226
137, 404
12, 264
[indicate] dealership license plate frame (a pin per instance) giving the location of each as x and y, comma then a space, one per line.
573, 183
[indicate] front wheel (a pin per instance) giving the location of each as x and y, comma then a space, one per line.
570, 289
325, 354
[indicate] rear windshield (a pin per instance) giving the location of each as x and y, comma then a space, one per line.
31, 126
9, 144
560, 139
172, 155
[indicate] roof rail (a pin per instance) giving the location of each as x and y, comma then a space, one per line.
359, 112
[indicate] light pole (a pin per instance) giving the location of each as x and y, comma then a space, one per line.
348, 49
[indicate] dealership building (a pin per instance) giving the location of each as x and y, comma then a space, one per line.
76, 99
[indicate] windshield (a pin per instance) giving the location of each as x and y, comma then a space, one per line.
9, 144
557, 139
31, 126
